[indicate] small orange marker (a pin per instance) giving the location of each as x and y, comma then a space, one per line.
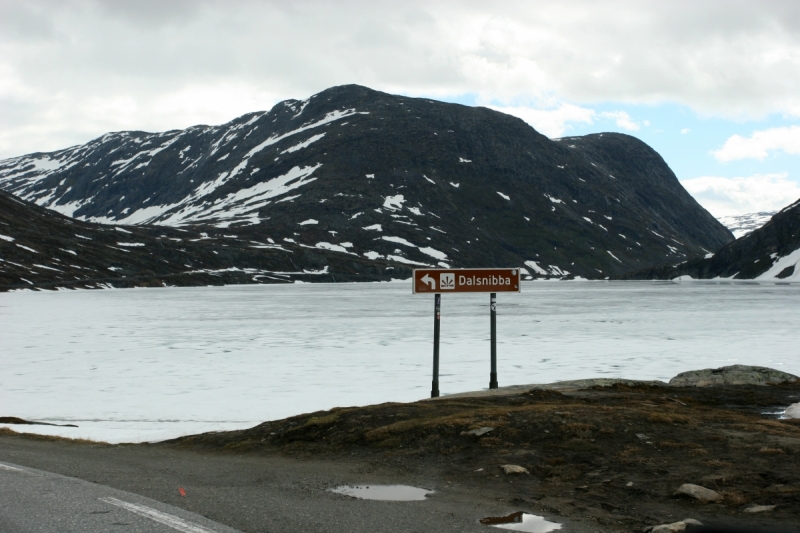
183, 492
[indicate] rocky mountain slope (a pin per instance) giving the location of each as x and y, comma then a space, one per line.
43, 249
771, 252
376, 177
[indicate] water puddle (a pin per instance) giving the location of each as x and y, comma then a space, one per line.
520, 521
393, 493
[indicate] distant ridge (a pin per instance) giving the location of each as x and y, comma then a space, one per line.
42, 249
769, 253
392, 180
741, 225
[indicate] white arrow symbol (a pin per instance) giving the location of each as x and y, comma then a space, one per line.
427, 279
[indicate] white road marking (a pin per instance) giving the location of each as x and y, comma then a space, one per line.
15, 469
157, 516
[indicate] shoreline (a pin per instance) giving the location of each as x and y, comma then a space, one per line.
599, 456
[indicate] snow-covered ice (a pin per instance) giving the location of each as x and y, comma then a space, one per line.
148, 364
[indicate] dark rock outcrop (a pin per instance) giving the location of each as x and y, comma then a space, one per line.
732, 375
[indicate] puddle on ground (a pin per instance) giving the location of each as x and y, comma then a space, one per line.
520, 521
394, 493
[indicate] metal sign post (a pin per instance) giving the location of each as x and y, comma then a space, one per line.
493, 328
491, 280
437, 314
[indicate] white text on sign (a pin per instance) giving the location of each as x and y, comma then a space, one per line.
489, 280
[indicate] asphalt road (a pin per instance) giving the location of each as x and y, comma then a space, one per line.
38, 501
249, 493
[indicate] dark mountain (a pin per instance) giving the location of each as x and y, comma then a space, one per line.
43, 249
387, 178
771, 252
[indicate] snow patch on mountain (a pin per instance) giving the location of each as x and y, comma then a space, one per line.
784, 268
303, 144
242, 204
394, 203
398, 240
330, 117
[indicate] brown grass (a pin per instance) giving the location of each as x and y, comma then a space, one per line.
716, 463
736, 498
668, 418
771, 451
630, 451
490, 442
582, 431
6, 432
698, 451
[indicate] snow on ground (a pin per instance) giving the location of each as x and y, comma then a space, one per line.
149, 364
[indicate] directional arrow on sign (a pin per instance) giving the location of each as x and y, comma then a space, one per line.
429, 280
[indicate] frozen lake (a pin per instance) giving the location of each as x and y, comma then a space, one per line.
147, 364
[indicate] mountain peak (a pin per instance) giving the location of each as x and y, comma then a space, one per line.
405, 180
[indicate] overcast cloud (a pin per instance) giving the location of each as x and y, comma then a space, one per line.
760, 144
734, 196
72, 70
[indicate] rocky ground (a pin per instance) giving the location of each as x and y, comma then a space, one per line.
614, 455
608, 456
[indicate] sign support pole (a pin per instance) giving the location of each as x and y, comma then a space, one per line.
437, 313
493, 314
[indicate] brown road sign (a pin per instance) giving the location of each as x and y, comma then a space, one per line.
443, 280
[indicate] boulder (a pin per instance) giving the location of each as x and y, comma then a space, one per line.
514, 469
793, 411
732, 375
759, 508
478, 432
698, 493
675, 527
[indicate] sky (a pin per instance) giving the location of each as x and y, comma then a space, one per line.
711, 85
